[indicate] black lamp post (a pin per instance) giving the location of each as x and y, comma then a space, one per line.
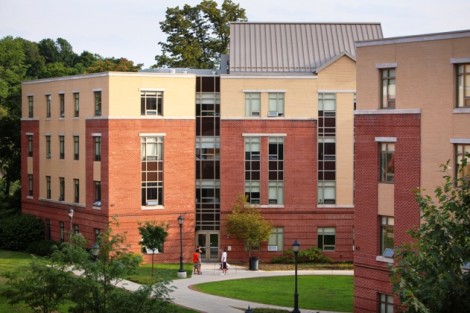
181, 272
95, 251
71, 211
295, 248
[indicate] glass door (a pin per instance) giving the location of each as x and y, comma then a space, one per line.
209, 242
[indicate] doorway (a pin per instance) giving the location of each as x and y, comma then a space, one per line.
209, 242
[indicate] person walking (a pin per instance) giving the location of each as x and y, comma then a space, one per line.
223, 262
197, 262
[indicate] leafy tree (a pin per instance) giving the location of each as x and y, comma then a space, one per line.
197, 36
17, 232
247, 224
153, 237
428, 274
113, 64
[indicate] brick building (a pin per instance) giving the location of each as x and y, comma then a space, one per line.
275, 125
413, 114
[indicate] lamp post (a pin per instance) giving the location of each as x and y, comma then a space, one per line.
295, 248
95, 251
181, 272
71, 211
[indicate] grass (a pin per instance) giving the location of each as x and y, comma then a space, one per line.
322, 292
11, 261
166, 271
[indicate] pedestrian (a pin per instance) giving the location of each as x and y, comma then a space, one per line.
223, 262
197, 262
200, 259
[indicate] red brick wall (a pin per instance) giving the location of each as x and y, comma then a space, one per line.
372, 276
299, 216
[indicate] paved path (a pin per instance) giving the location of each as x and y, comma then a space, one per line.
183, 295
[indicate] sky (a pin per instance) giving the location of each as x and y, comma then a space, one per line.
131, 29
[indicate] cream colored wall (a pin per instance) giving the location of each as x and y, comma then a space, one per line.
340, 78
299, 95
428, 85
178, 94
386, 201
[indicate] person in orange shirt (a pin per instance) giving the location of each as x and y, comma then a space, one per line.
197, 262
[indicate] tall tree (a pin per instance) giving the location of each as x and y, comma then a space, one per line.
197, 36
429, 274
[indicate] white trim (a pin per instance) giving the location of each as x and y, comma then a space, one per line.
388, 111
336, 91
97, 89
381, 258
334, 206
264, 90
275, 76
385, 139
385, 65
459, 60
264, 135
460, 140
29, 134
152, 134
257, 118
461, 110
153, 207
152, 89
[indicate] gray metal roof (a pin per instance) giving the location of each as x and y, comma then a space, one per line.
294, 47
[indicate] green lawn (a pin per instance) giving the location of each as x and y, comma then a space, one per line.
323, 292
12, 261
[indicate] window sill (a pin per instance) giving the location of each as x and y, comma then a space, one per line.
153, 207
96, 207
462, 110
383, 259
271, 206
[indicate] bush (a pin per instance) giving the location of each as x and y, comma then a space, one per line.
19, 231
311, 255
42, 248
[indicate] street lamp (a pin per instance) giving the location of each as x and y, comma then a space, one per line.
95, 251
295, 248
71, 211
181, 272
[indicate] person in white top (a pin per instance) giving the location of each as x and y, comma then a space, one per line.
223, 262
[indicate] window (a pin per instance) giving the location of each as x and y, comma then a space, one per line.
61, 189
462, 156
276, 104
252, 103
151, 103
62, 231
97, 145
48, 187
276, 170
387, 162
76, 147
386, 234
97, 194
385, 303
30, 185
326, 148
276, 239
96, 233
62, 104
76, 229
463, 85
30, 106
61, 147
30, 145
326, 238
76, 190
208, 148
97, 103
76, 104
252, 169
388, 88
48, 106
48, 146
152, 170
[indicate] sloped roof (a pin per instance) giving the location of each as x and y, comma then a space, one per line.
294, 47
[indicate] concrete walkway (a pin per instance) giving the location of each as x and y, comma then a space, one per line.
183, 294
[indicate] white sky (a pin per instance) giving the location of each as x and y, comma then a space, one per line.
130, 28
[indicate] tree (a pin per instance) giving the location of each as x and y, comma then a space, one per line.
45, 285
428, 274
197, 36
153, 237
246, 223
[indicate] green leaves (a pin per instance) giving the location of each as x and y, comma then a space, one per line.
197, 36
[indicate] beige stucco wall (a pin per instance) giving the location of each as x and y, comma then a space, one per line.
386, 194
299, 95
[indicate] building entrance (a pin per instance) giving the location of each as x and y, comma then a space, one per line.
209, 242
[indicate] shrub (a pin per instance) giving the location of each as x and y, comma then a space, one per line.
311, 255
42, 248
19, 231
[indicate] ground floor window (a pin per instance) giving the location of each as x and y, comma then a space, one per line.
385, 303
326, 238
276, 239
